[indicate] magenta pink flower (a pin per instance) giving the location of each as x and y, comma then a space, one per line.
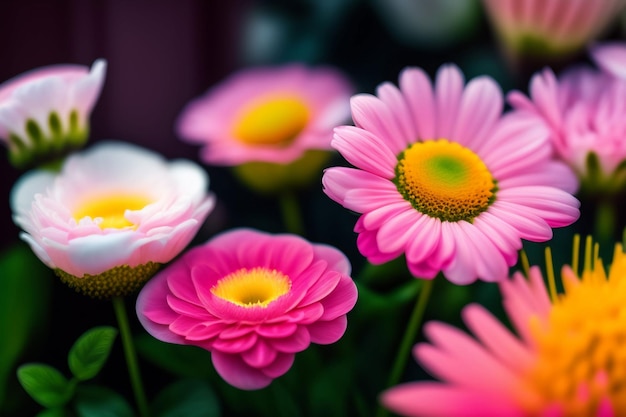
267, 115
443, 178
583, 111
253, 300
45, 112
113, 206
568, 360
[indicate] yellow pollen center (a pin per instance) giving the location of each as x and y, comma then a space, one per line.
444, 180
276, 121
111, 209
581, 350
256, 287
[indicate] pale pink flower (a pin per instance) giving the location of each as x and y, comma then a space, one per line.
550, 27
443, 178
112, 205
567, 359
583, 110
253, 300
267, 114
45, 112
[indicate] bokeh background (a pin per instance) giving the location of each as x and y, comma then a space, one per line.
163, 53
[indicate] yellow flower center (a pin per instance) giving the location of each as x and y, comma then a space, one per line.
276, 121
111, 209
444, 180
256, 287
581, 351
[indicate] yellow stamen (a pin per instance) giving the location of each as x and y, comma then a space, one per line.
111, 209
525, 263
575, 250
550, 273
275, 121
256, 287
580, 355
444, 180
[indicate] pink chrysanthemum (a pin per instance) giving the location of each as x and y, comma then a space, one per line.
549, 27
267, 115
568, 360
44, 113
111, 216
443, 178
253, 300
584, 112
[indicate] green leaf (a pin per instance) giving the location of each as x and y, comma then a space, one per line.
186, 398
45, 384
23, 308
52, 412
89, 353
97, 401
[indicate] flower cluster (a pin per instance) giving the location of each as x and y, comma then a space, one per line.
442, 177
253, 300
565, 361
448, 190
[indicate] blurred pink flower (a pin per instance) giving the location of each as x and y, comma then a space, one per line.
583, 111
568, 360
442, 177
44, 113
113, 205
267, 115
550, 27
253, 300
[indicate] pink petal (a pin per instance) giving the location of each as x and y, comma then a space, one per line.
460, 360
280, 366
373, 115
260, 355
237, 373
429, 399
365, 150
611, 57
393, 98
498, 339
448, 92
238, 345
341, 300
479, 111
326, 332
418, 93
277, 330
297, 342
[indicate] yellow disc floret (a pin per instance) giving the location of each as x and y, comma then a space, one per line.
444, 180
581, 349
256, 287
276, 121
111, 209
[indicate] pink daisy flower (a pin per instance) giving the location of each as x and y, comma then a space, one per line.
267, 115
111, 216
583, 111
253, 300
444, 179
550, 27
44, 113
567, 361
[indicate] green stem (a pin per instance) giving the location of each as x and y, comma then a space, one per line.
605, 221
131, 356
410, 333
291, 213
